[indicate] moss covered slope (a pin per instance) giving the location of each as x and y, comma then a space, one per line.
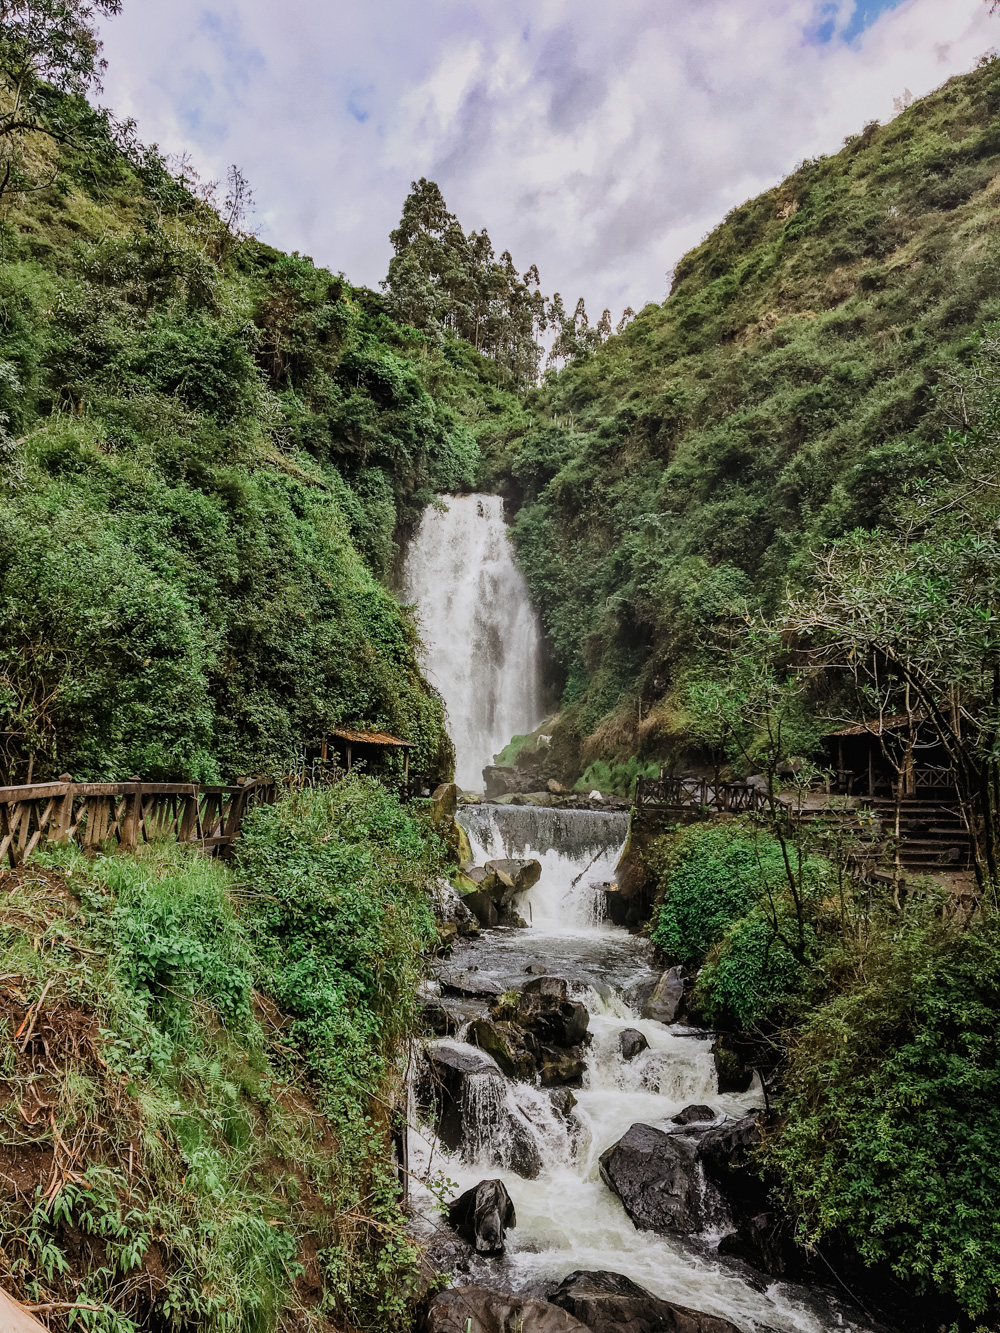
783, 394
207, 450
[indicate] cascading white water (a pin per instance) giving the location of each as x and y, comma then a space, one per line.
480, 631
578, 851
482, 652
567, 1218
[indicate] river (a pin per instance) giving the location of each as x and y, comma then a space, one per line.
567, 1218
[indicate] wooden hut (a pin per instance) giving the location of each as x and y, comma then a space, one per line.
371, 748
870, 758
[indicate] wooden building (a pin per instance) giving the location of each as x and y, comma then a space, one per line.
346, 748
871, 758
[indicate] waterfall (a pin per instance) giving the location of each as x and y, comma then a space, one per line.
481, 634
578, 851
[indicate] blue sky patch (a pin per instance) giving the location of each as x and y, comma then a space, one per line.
866, 12
358, 103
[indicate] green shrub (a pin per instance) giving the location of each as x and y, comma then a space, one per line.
712, 875
890, 1117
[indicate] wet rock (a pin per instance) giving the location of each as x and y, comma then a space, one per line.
656, 1177
726, 1153
468, 982
631, 1043
447, 933
444, 803
483, 1215
492, 889
697, 1114
536, 969
562, 1101
476, 1309
520, 1153
511, 920
446, 1015
482, 903
545, 1009
611, 1303
664, 1004
460, 1083
441, 1090
436, 1016
451, 911
508, 1045
732, 1067
556, 788
514, 876
765, 1242
561, 1067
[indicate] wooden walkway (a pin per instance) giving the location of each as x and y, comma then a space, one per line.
933, 836
93, 814
696, 796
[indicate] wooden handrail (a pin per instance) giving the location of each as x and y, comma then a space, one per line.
697, 794
95, 813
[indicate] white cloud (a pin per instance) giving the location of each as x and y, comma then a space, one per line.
597, 140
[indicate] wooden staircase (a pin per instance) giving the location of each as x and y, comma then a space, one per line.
932, 836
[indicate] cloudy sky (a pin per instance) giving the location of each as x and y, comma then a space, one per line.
599, 139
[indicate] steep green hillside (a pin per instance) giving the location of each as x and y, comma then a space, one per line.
208, 449
782, 395
200, 1068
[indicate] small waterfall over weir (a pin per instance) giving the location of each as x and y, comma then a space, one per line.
480, 630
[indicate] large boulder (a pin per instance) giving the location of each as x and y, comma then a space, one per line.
631, 1043
450, 1100
561, 1067
698, 1114
442, 1089
612, 1303
514, 1050
664, 1004
513, 877
726, 1153
656, 1177
483, 1216
476, 1309
468, 982
444, 803
492, 889
545, 1009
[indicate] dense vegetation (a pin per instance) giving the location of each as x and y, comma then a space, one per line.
783, 395
207, 452
878, 1028
196, 1113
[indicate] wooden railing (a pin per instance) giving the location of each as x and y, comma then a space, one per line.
94, 814
697, 794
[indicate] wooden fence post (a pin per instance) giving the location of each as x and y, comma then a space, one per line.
188, 829
132, 816
64, 813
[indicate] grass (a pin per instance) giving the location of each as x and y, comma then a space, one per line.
173, 1154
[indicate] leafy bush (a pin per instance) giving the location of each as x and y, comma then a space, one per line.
338, 913
890, 1129
711, 876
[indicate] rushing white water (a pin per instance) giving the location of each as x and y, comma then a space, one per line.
578, 851
567, 1218
480, 631
482, 653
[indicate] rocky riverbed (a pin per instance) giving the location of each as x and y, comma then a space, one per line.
597, 1176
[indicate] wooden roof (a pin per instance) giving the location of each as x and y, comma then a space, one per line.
876, 728
369, 737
